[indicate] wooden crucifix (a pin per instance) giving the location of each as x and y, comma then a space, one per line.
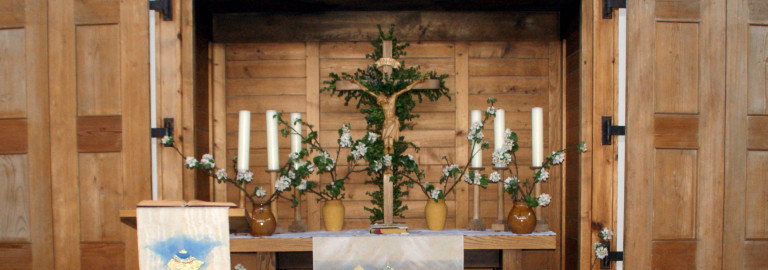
391, 128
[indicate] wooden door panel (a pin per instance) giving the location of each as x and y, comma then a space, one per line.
675, 150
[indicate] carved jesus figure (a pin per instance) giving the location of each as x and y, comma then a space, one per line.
391, 129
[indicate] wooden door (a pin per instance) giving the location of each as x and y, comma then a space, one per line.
25, 175
675, 128
746, 185
99, 123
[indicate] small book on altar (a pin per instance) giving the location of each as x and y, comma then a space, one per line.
394, 228
181, 203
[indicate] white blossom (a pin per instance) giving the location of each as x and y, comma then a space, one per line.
509, 143
490, 110
372, 137
475, 132
345, 141
303, 185
166, 140
359, 151
190, 162
221, 174
387, 160
543, 176
282, 183
494, 177
409, 156
448, 169
240, 267
293, 155
501, 158
512, 180
261, 192
244, 175
474, 179
291, 174
311, 168
601, 252
426, 185
435, 194
329, 162
376, 165
558, 157
544, 199
582, 147
345, 128
207, 161
606, 234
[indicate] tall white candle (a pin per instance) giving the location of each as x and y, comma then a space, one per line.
295, 133
243, 140
477, 157
537, 136
498, 130
272, 145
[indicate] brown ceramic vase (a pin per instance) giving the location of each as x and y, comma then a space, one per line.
261, 220
521, 219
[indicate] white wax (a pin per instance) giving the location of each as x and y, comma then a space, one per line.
477, 156
272, 145
537, 136
295, 133
243, 140
498, 130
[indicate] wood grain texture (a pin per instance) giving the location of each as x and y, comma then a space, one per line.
99, 134
361, 26
678, 9
676, 131
97, 12
38, 120
462, 122
676, 74
756, 59
17, 256
14, 139
169, 102
675, 255
103, 255
219, 117
511, 259
755, 11
587, 64
756, 197
98, 70
186, 138
101, 187
757, 132
674, 194
313, 116
13, 83
12, 13
14, 219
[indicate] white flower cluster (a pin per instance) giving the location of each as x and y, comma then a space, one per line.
435, 194
409, 156
387, 160
426, 185
330, 163
601, 251
558, 157
476, 132
282, 183
543, 176
494, 177
345, 141
605, 234
450, 168
303, 185
582, 147
359, 151
490, 110
376, 165
510, 181
372, 137
245, 175
166, 140
301, 163
207, 161
509, 143
501, 158
293, 155
261, 192
544, 199
190, 162
472, 178
221, 174
240, 267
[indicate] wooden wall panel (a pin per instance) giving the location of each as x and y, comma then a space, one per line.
13, 92
757, 128
677, 68
99, 134
675, 255
14, 219
674, 194
14, 142
101, 196
98, 70
678, 9
97, 12
16, 256
571, 181
756, 196
676, 131
12, 13
756, 11
103, 256
758, 53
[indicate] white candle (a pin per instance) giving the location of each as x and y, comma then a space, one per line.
498, 130
295, 133
477, 155
272, 145
243, 140
537, 136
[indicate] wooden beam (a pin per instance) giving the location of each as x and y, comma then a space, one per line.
585, 122
187, 118
312, 51
462, 124
362, 26
13, 139
219, 103
99, 133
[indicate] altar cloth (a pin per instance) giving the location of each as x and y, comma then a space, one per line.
375, 252
412, 232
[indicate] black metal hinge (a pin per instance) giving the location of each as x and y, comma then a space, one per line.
163, 6
610, 130
613, 256
609, 5
166, 130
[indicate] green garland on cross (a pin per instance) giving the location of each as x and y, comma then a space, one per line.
403, 167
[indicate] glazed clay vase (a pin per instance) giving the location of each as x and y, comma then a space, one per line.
521, 219
435, 212
261, 220
333, 215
